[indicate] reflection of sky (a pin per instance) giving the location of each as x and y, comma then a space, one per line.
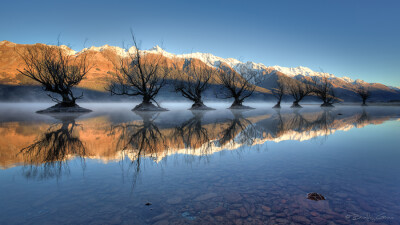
358, 39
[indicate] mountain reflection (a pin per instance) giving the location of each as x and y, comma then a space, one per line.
46, 148
47, 156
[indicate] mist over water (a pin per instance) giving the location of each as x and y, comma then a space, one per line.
214, 167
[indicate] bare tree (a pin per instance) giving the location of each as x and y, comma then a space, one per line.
323, 89
280, 90
298, 90
364, 93
192, 80
56, 70
139, 74
237, 86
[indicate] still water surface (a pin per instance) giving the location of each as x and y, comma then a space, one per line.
216, 167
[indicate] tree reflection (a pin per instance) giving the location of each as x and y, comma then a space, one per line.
298, 122
47, 156
195, 139
363, 118
325, 121
192, 136
192, 133
321, 121
239, 130
139, 139
294, 121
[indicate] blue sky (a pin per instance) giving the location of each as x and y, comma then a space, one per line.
359, 39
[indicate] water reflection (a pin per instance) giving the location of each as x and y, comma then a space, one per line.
256, 188
319, 122
47, 157
363, 118
156, 136
192, 135
139, 139
240, 131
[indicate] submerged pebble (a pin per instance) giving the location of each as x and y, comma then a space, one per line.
315, 196
187, 216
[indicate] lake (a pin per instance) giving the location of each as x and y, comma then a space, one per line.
115, 166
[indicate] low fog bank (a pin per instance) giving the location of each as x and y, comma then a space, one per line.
23, 94
122, 112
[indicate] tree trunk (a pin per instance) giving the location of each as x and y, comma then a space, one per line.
237, 102
364, 102
197, 104
278, 105
327, 104
296, 105
67, 101
198, 101
146, 99
147, 105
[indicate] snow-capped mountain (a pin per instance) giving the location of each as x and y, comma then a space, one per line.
212, 60
305, 71
97, 78
242, 67
394, 88
238, 66
345, 84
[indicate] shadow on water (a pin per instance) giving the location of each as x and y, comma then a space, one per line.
48, 156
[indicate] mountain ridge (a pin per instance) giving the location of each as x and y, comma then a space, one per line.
234, 63
97, 79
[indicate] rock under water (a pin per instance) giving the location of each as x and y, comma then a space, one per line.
63, 109
296, 105
277, 106
148, 107
240, 107
327, 105
200, 106
315, 196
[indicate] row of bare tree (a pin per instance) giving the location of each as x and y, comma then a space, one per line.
321, 87
145, 75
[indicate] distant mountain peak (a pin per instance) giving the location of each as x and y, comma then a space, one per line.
156, 49
300, 70
7, 43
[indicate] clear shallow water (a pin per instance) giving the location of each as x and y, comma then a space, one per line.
218, 167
